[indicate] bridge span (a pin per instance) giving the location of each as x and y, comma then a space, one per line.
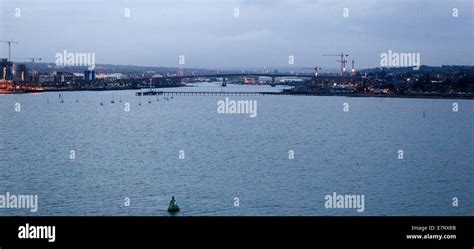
272, 75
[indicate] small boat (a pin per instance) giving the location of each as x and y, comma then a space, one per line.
101, 103
173, 207
112, 101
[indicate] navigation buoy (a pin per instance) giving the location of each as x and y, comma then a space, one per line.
173, 207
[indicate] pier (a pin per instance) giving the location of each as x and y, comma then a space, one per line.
191, 93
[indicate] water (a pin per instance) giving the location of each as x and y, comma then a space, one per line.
135, 154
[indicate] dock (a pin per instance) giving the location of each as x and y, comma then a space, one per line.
192, 93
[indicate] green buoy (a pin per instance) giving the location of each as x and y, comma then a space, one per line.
173, 207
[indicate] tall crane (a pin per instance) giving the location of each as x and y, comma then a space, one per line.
316, 70
32, 59
342, 60
9, 48
353, 69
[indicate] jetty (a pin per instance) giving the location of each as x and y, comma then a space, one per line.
203, 93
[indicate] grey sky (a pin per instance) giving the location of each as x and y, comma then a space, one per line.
266, 33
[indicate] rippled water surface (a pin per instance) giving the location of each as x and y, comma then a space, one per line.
135, 154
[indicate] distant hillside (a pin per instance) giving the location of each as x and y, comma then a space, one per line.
108, 68
104, 68
423, 69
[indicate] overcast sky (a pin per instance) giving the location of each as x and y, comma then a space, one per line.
208, 34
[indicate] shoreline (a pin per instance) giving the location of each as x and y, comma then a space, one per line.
356, 95
83, 89
359, 95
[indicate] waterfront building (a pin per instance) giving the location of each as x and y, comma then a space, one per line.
6, 69
89, 75
21, 73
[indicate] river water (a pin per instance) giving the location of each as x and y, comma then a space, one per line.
83, 158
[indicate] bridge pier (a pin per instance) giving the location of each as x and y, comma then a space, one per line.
273, 81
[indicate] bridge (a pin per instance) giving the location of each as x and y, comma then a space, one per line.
228, 75
270, 75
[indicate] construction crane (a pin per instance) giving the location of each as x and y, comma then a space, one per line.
342, 60
32, 61
353, 69
316, 70
9, 48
